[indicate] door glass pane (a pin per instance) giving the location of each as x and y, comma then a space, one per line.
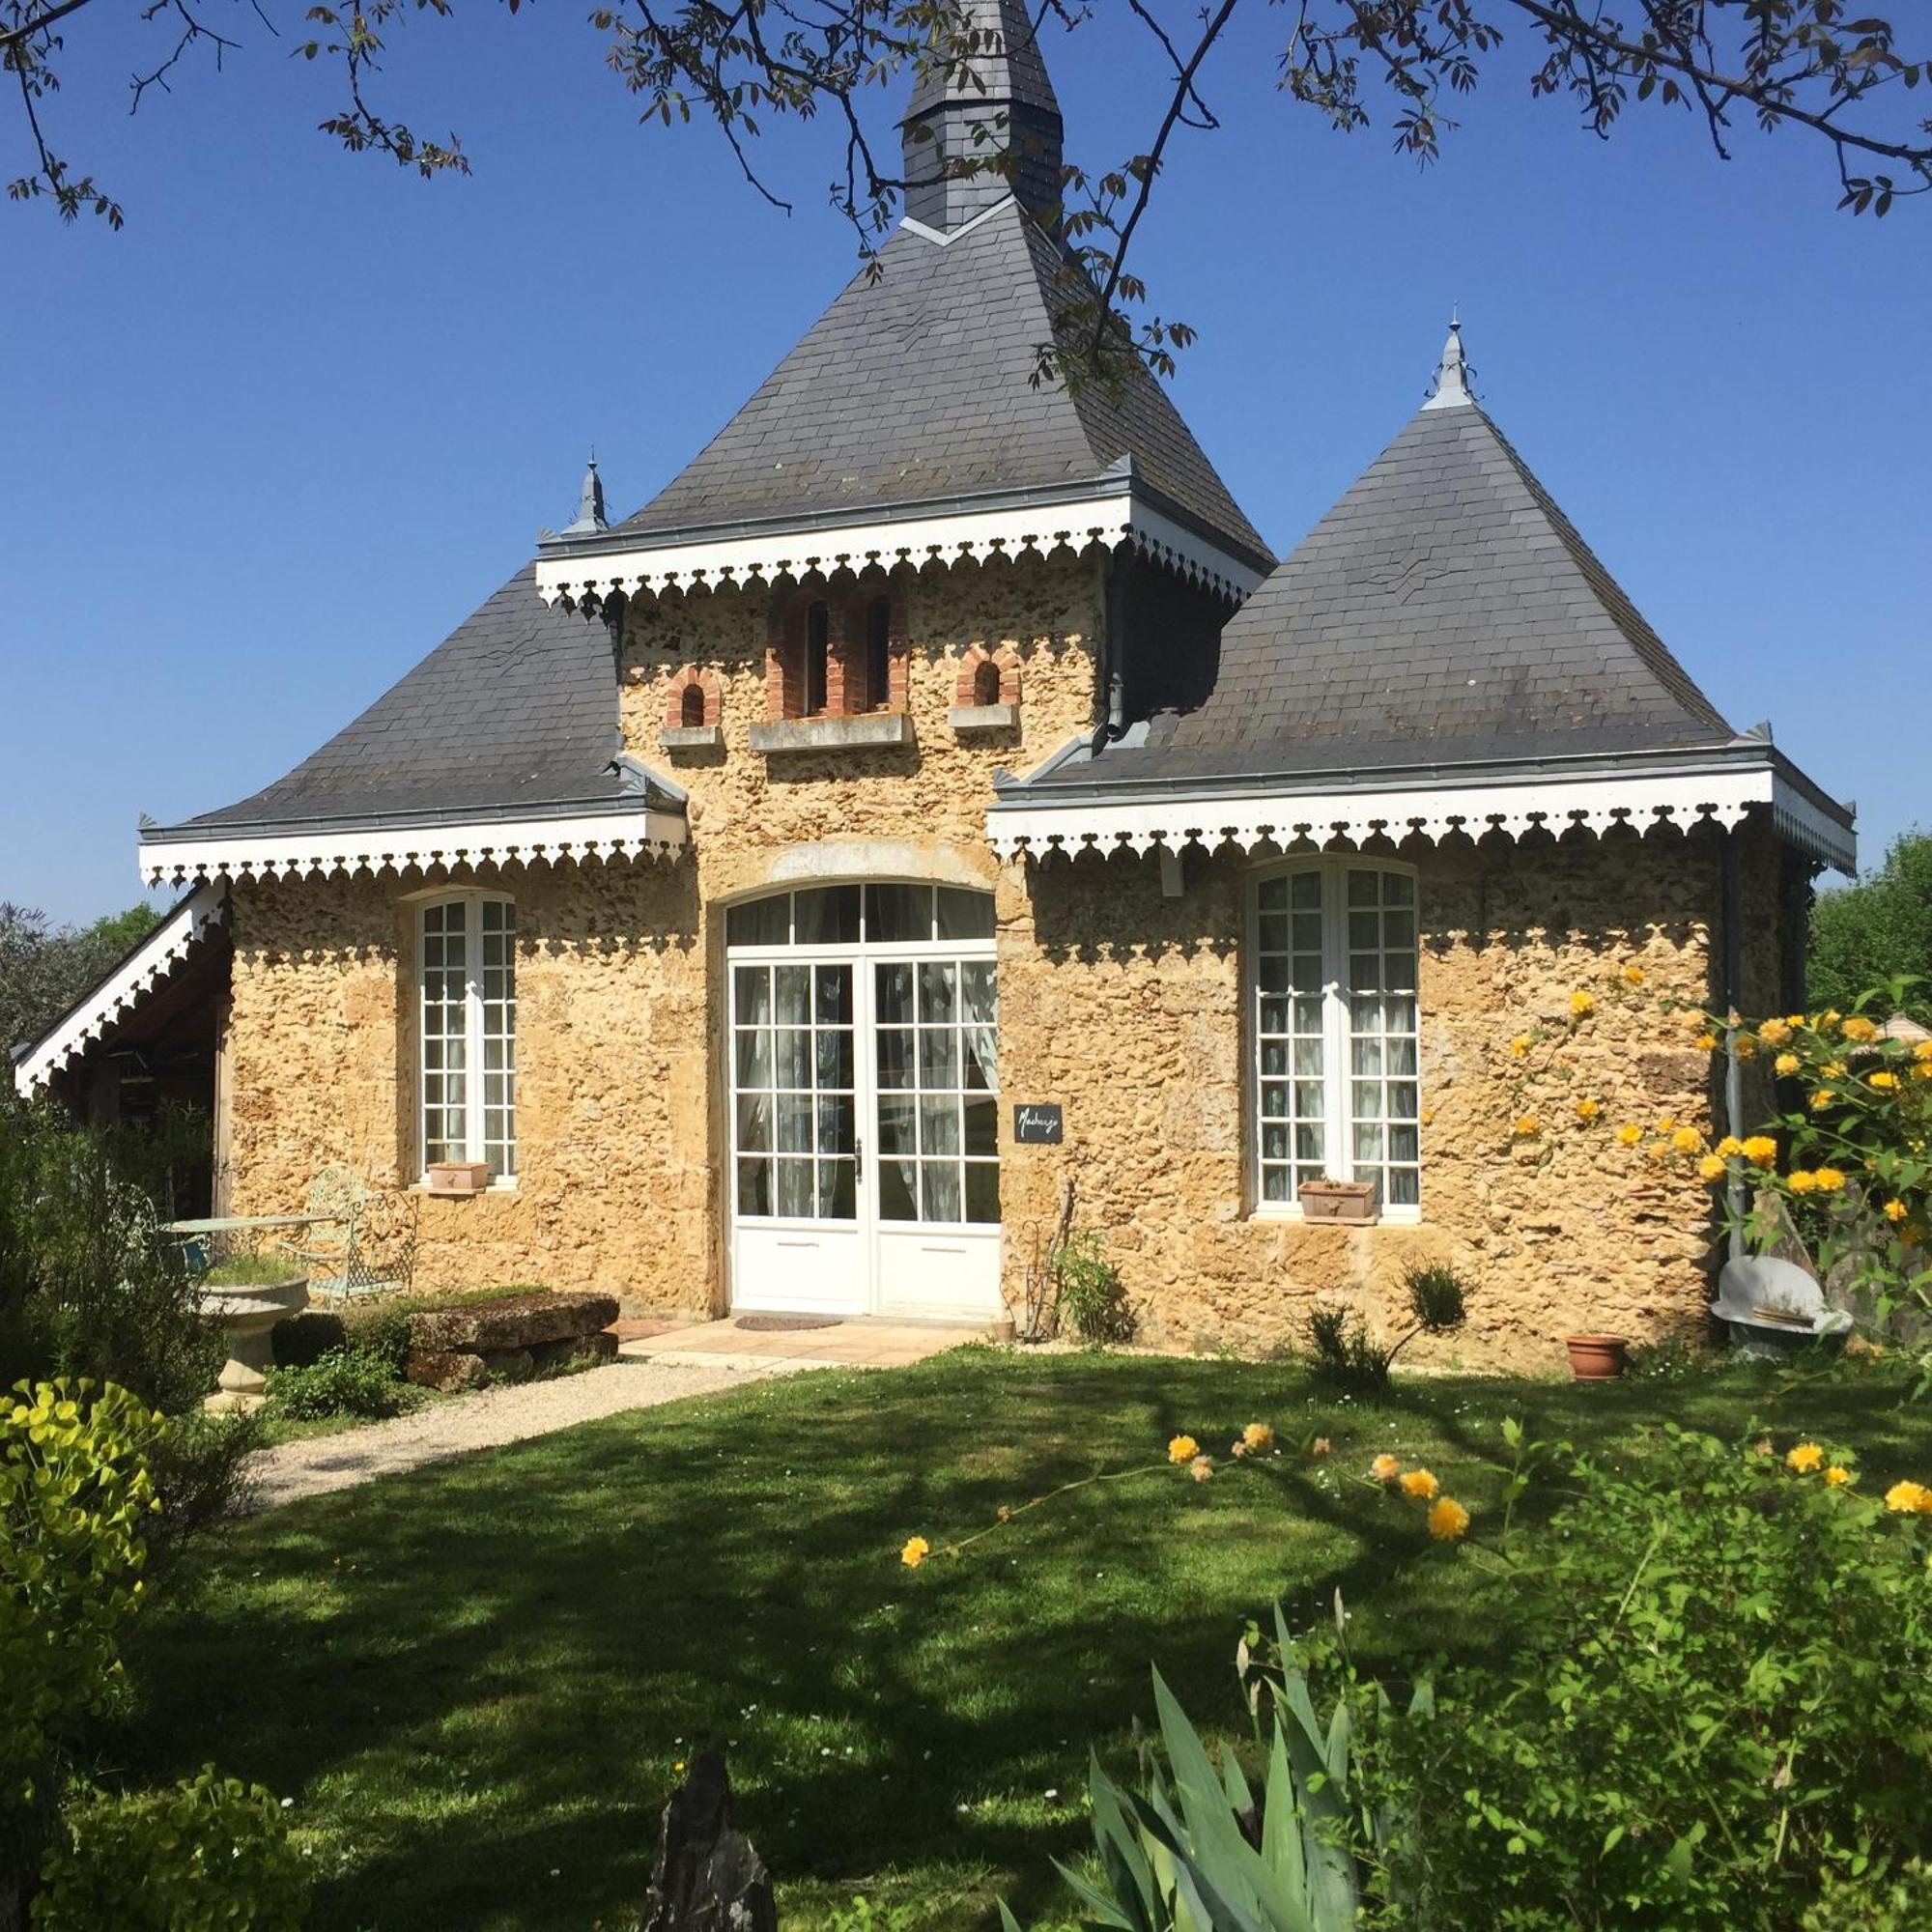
826, 915
938, 1057
794, 1123
797, 1200
938, 991
838, 1191
832, 996
898, 1190
982, 1127
983, 1191
753, 990
964, 915
898, 912
898, 1127
755, 1122
896, 1058
834, 1057
893, 995
976, 992
939, 1125
791, 994
836, 1130
754, 1064
755, 1187
939, 1191
791, 1063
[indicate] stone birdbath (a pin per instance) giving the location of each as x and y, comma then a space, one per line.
246, 1310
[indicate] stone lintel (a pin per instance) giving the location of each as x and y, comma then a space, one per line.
867, 731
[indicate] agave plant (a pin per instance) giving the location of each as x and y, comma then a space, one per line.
1198, 1850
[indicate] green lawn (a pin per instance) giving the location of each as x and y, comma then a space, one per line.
475, 1681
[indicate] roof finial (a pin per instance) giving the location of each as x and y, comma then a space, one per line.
590, 518
1452, 373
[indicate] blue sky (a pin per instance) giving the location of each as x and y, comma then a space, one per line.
271, 442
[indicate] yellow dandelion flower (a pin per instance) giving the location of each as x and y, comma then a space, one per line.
917, 1549
1829, 1179
1837, 1475
1806, 1457
1860, 1029
1583, 1005
1528, 1127
1420, 1487
1587, 1110
1903, 1497
1786, 1064
1801, 1180
1628, 1135
1257, 1436
1896, 1210
1885, 1082
1794, 1021
1448, 1521
1385, 1469
1200, 1468
1633, 975
1687, 1139
1520, 1046
1183, 1449
1775, 1032
1760, 1149
1730, 1146
1706, 1043
1712, 1168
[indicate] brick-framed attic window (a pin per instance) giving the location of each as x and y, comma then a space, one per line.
695, 699
988, 677
836, 650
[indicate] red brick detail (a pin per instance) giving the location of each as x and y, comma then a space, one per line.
848, 620
988, 677
693, 697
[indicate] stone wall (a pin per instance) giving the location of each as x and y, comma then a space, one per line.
1128, 1007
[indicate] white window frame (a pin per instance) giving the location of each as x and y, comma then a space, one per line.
475, 1139
1338, 1136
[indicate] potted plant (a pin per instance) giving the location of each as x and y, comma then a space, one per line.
245, 1297
1598, 1358
1349, 1202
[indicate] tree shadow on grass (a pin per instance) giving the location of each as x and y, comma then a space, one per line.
477, 1679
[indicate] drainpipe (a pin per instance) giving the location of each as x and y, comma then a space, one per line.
1732, 957
1110, 687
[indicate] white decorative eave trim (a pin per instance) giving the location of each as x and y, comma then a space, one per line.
137, 976
948, 537
1026, 826
518, 841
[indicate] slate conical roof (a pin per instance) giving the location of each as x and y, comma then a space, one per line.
914, 387
1445, 611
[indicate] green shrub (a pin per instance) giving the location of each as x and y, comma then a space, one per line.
1718, 1694
340, 1382
1342, 1354
207, 1854
195, 1464
1092, 1296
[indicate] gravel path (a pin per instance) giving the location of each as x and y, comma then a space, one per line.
485, 1420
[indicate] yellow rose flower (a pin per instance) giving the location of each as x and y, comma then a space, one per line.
1860, 1029
1794, 1021
1775, 1032
1712, 1168
1183, 1449
1834, 1069
1257, 1436
1687, 1139
1664, 1126
1786, 1064
1826, 1020
1520, 1046
1583, 1005
1829, 1179
1743, 1045
1730, 1146
1706, 1043
1906, 1497
1801, 1180
1587, 1110
1922, 1053
1896, 1210
1822, 1099
1921, 1070
1628, 1135
1837, 1475
1633, 975
1528, 1127
1448, 1521
1760, 1149
915, 1553
1419, 1486
1385, 1469
1806, 1457
1885, 1082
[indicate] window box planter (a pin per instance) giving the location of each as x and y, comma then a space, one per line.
457, 1177
1352, 1203
968, 719
867, 731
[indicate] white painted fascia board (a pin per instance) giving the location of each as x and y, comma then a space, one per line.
951, 536
124, 988
1813, 832
1435, 812
269, 855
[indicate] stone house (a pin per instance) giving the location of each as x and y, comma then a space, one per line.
940, 752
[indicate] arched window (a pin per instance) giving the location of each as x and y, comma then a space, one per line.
691, 709
1336, 1031
468, 959
817, 646
878, 654
987, 682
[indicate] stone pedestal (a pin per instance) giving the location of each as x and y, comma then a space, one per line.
248, 1317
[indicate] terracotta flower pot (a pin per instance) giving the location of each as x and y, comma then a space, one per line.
1597, 1358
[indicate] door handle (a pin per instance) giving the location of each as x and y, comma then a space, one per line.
858, 1160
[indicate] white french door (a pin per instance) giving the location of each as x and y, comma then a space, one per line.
865, 1103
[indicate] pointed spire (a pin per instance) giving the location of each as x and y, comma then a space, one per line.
1005, 92
590, 518
1452, 373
